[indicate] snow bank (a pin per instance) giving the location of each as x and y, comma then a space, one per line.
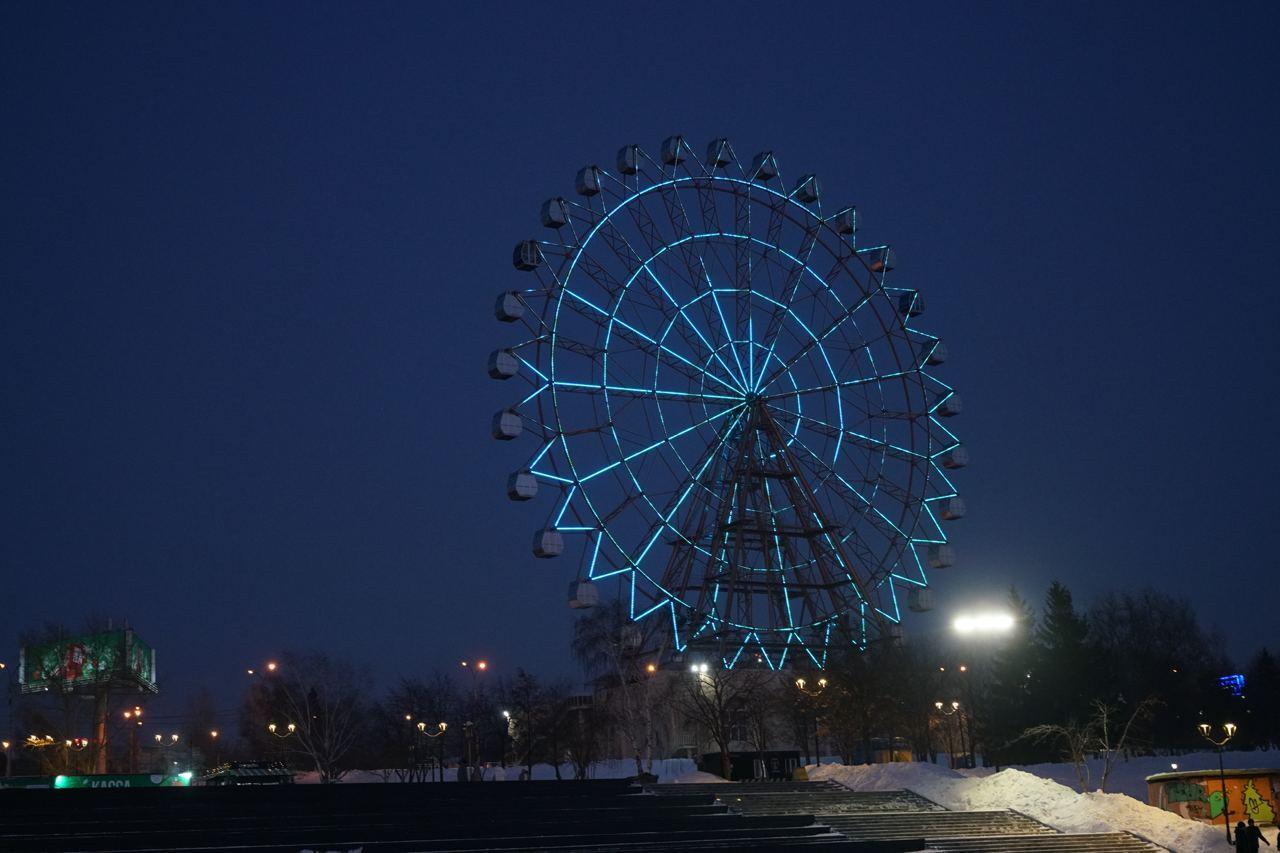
1043, 799
1129, 776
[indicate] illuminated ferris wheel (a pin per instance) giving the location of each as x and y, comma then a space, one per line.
731, 411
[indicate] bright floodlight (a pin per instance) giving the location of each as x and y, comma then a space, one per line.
984, 623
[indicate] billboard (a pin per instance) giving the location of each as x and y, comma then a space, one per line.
111, 659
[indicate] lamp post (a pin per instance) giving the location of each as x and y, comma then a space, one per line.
275, 730
1229, 731
948, 710
506, 735
10, 689
440, 730
134, 716
814, 694
164, 748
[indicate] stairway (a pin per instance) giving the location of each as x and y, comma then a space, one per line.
906, 817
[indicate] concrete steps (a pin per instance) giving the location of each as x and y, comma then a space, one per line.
935, 825
904, 817
1099, 842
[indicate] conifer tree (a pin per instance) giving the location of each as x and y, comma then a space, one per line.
1062, 694
1009, 706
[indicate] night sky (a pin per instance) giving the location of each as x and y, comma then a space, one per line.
249, 252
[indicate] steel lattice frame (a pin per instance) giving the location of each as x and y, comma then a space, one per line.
732, 405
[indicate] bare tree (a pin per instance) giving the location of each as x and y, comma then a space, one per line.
1105, 733
711, 700
584, 728
606, 644
324, 698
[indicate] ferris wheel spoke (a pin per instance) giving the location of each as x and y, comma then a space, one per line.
680, 309
833, 386
655, 246
632, 260
655, 445
664, 516
816, 340
866, 508
853, 436
795, 277
644, 341
645, 393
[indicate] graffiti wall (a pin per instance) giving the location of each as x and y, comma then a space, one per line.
1198, 795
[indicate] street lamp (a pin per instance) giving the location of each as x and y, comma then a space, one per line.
440, 730
813, 694
275, 730
1229, 731
946, 709
507, 735
134, 716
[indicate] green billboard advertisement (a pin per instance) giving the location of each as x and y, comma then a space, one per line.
108, 659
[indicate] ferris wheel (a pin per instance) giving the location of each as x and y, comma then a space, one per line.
732, 413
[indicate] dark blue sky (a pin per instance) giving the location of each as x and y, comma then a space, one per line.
249, 255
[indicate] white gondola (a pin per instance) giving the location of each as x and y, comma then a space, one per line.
555, 213
950, 406
522, 486
956, 457
806, 189
893, 633
845, 221
764, 167
935, 352
526, 255
952, 509
548, 543
920, 600
509, 307
629, 637
910, 304
719, 154
881, 259
629, 159
503, 364
583, 594
507, 424
941, 556
587, 181
674, 150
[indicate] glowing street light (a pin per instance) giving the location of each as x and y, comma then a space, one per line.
984, 623
813, 714
1229, 730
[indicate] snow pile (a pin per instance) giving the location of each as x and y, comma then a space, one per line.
1129, 776
1043, 799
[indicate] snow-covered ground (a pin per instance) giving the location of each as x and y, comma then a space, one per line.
1034, 792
